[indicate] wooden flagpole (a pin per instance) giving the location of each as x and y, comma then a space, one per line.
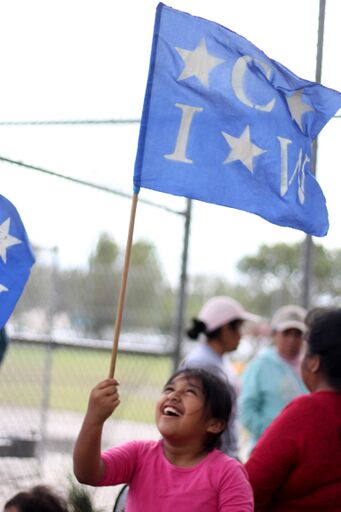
123, 287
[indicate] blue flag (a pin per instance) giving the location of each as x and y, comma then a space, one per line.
16, 258
225, 124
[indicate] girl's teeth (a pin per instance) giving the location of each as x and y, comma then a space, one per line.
171, 411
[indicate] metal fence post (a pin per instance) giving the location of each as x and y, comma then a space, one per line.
48, 360
308, 244
181, 302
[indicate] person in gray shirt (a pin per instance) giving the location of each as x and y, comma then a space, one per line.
219, 325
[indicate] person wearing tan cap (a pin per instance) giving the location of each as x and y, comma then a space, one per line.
272, 379
219, 325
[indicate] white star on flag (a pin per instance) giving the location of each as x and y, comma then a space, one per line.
198, 63
6, 240
3, 288
297, 107
242, 149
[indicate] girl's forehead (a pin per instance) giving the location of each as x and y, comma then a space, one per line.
187, 379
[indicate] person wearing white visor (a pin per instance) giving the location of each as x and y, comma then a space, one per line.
218, 324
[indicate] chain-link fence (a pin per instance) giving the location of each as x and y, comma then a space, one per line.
60, 346
44, 388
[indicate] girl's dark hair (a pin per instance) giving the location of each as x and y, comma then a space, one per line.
38, 499
324, 340
198, 327
217, 398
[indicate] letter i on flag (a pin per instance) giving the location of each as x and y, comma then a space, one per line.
225, 124
16, 258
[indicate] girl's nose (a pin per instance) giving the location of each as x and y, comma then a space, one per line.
175, 394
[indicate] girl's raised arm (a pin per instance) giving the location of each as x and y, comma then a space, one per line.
87, 465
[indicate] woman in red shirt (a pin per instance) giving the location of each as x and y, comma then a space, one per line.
296, 464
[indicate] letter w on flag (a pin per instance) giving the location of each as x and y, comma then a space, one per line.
225, 124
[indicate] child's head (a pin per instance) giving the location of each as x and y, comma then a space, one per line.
38, 499
194, 402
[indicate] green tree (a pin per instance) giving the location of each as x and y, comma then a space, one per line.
89, 296
273, 276
102, 286
146, 299
105, 254
146, 302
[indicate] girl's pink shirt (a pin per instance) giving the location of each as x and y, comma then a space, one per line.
218, 483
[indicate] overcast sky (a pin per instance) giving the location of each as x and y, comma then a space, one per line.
81, 59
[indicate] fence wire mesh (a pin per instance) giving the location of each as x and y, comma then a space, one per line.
44, 388
60, 346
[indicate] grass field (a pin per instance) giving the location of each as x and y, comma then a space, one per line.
74, 372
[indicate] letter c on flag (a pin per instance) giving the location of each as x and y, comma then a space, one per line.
238, 74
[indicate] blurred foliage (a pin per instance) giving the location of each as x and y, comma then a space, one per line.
106, 253
274, 276
80, 498
88, 297
271, 277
